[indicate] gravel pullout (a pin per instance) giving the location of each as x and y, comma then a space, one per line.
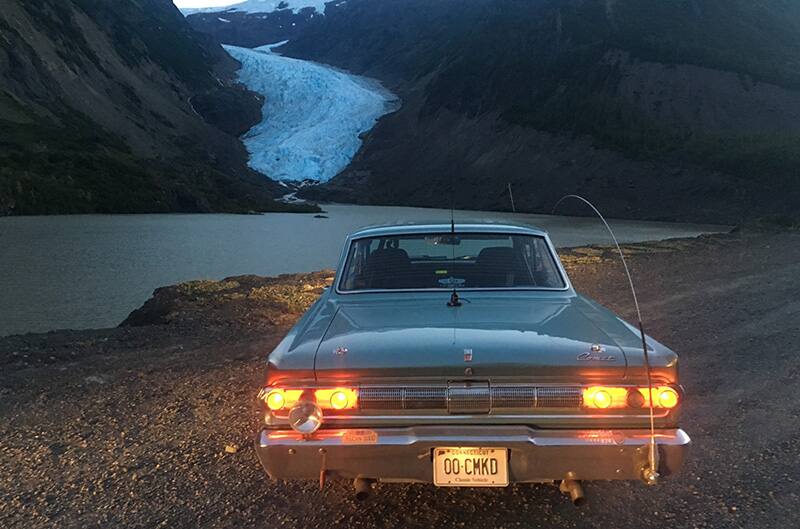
151, 424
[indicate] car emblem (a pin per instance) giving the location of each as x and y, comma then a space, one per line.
468, 355
340, 351
596, 354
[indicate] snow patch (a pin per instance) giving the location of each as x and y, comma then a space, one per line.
313, 115
292, 187
261, 6
267, 48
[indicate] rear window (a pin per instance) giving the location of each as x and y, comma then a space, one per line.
446, 261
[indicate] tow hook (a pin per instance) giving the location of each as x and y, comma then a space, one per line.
573, 488
650, 476
649, 464
363, 488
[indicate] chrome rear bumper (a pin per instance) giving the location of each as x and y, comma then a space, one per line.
405, 454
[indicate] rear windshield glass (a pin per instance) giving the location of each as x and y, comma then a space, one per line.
446, 261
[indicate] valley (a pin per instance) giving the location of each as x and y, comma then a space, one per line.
680, 111
667, 111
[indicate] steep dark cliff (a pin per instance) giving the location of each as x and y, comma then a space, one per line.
119, 106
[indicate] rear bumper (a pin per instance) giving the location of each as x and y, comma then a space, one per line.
405, 454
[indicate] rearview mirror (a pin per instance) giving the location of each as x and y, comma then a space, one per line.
444, 240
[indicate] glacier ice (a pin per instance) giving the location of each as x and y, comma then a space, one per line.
313, 114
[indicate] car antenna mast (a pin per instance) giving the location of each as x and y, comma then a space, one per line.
649, 473
455, 301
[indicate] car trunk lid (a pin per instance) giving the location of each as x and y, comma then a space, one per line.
546, 338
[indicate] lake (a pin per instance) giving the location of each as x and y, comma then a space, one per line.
91, 271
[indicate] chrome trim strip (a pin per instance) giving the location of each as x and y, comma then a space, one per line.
463, 289
499, 416
557, 420
471, 225
404, 436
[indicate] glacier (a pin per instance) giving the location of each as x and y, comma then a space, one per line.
260, 6
313, 114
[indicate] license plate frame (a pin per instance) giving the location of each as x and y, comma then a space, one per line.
470, 466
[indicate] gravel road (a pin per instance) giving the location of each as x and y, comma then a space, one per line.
151, 426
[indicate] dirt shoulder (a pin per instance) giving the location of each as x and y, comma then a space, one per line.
150, 424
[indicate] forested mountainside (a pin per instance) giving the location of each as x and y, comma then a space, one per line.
119, 106
677, 109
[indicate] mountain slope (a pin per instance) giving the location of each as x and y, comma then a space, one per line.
100, 111
256, 22
678, 109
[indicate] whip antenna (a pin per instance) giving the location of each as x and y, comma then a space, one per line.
650, 474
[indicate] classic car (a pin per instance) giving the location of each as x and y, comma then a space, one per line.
461, 355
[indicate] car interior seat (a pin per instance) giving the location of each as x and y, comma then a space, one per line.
494, 267
388, 268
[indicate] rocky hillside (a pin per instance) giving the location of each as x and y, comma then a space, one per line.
119, 106
678, 109
255, 23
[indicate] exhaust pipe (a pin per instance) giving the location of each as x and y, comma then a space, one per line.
363, 488
575, 491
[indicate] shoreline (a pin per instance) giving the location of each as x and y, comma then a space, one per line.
276, 299
90, 272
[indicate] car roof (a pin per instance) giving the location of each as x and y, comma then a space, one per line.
460, 227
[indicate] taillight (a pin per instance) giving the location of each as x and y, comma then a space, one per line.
277, 399
337, 398
607, 397
603, 397
667, 398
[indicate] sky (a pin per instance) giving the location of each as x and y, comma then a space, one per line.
205, 3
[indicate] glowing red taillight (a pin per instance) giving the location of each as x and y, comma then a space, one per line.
277, 399
610, 397
667, 398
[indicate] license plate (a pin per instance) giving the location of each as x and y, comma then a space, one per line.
470, 467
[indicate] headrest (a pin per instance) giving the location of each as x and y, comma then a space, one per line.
389, 255
496, 254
